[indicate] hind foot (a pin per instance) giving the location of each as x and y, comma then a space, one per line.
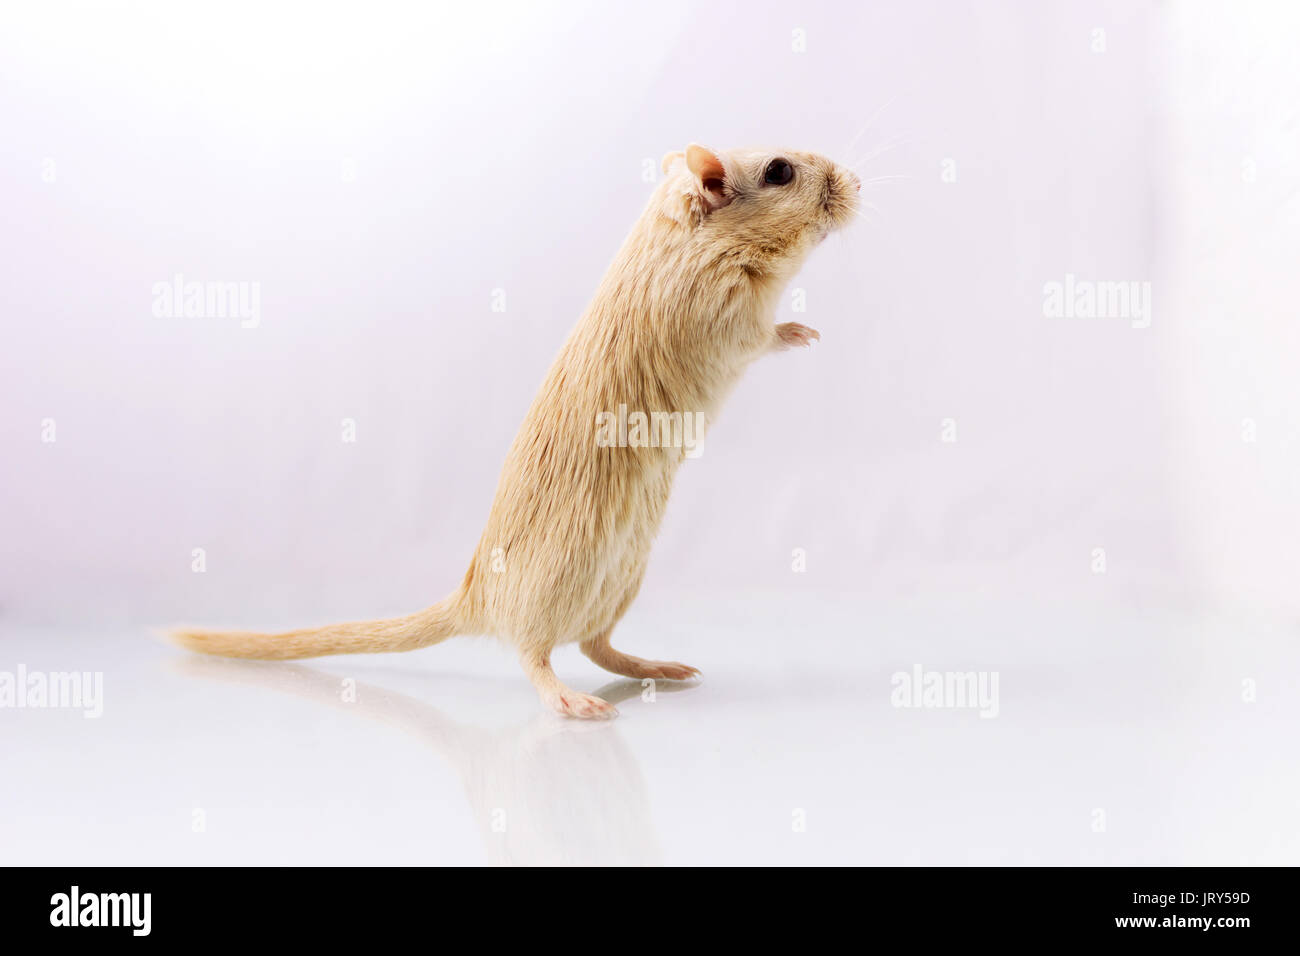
583, 706
630, 666
558, 697
617, 662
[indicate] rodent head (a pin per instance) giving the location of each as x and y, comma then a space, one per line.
767, 207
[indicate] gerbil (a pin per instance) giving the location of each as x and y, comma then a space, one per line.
686, 305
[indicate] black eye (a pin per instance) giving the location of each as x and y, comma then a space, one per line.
778, 173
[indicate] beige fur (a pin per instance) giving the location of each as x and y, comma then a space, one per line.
686, 305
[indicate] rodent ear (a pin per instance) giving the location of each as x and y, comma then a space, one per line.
710, 174
669, 159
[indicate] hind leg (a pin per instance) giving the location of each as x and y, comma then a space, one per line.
559, 697
602, 654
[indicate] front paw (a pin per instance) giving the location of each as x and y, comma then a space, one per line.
789, 334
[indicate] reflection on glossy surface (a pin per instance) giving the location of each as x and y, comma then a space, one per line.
552, 791
1120, 738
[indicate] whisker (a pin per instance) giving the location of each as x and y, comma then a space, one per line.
861, 212
885, 147
874, 116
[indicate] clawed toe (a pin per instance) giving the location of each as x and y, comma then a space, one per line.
667, 670
793, 334
584, 706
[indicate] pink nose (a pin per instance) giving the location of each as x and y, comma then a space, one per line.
857, 183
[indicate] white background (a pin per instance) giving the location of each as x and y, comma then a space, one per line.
380, 171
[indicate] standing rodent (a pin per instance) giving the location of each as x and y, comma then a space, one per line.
686, 305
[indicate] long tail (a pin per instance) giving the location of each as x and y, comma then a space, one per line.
433, 624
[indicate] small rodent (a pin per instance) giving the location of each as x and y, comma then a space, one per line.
687, 304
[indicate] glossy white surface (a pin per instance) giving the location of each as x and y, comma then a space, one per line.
446, 757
